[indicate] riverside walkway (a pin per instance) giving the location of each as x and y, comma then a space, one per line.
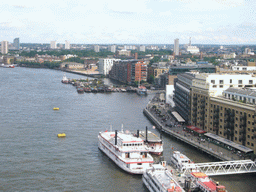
177, 132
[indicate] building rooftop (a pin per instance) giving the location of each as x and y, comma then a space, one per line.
248, 92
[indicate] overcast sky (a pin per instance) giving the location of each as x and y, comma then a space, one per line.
129, 21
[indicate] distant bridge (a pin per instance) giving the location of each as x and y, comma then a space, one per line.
222, 167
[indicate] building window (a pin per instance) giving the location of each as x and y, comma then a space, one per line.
214, 86
240, 81
240, 85
230, 81
248, 136
235, 139
230, 85
252, 144
249, 129
213, 81
250, 81
248, 143
221, 81
221, 86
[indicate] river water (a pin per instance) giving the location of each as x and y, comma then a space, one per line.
32, 158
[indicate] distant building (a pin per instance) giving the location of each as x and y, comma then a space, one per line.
16, 43
193, 49
142, 48
105, 65
4, 47
97, 48
67, 44
53, 45
128, 71
176, 47
112, 48
124, 52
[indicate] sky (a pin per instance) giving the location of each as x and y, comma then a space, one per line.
129, 21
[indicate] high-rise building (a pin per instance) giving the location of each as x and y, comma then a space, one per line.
67, 44
96, 48
16, 43
112, 48
142, 48
53, 45
4, 47
176, 47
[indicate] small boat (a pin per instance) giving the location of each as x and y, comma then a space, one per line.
205, 184
65, 79
94, 90
159, 179
127, 151
87, 90
152, 141
141, 90
7, 65
56, 108
179, 160
80, 89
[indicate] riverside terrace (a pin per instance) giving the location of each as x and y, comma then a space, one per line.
166, 123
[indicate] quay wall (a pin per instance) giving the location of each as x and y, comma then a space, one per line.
186, 140
84, 74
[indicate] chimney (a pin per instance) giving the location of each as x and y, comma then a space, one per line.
115, 137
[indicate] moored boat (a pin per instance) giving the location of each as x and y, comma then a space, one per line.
127, 151
65, 79
152, 141
159, 179
179, 160
87, 89
7, 65
205, 184
80, 89
141, 90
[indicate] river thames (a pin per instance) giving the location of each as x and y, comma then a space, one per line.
33, 158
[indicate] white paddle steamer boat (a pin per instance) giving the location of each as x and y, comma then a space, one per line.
127, 151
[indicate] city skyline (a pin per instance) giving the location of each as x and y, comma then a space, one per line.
130, 22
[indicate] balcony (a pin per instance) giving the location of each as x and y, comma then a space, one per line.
215, 128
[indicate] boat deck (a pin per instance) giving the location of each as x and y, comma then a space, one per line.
152, 137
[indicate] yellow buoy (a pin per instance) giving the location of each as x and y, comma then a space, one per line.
56, 108
61, 135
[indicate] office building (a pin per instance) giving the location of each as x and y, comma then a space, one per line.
16, 43
176, 47
4, 47
53, 45
67, 44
